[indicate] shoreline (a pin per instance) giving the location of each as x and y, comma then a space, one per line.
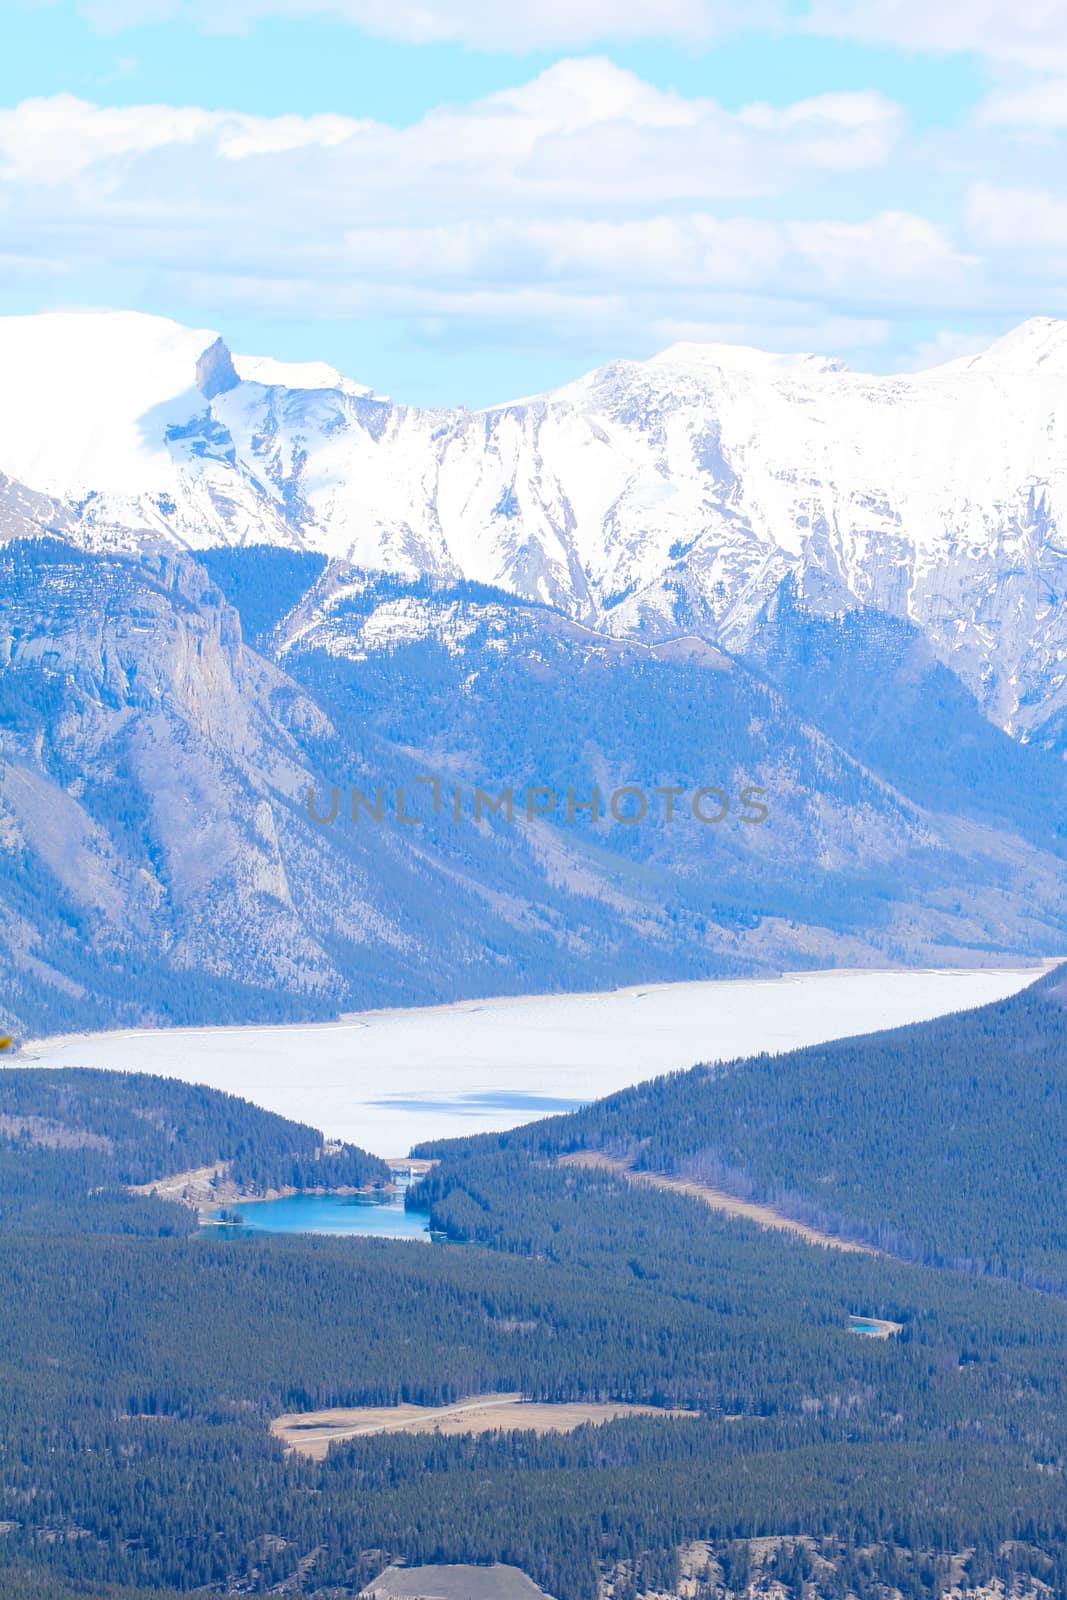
189, 1188
636, 991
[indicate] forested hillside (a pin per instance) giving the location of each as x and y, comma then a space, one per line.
872, 682
139, 1376
941, 1143
72, 1143
139, 1373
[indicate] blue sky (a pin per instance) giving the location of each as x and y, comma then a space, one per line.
458, 204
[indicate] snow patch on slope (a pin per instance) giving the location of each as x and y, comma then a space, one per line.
296, 375
86, 397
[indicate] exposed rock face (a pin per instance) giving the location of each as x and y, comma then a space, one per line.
215, 373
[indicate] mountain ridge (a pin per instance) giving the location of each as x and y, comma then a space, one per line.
644, 498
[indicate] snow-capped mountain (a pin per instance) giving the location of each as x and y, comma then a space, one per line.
647, 499
717, 567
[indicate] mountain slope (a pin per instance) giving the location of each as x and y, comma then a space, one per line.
717, 571
873, 684
158, 858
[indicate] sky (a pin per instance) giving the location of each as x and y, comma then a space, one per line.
463, 201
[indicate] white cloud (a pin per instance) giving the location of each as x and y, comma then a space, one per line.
893, 250
1031, 33
1017, 220
889, 254
483, 24
813, 335
582, 130
946, 345
54, 140
585, 177
1040, 103
583, 197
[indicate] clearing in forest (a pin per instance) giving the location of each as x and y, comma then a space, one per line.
312, 1432
718, 1199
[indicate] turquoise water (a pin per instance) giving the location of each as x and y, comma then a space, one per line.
359, 1214
866, 1325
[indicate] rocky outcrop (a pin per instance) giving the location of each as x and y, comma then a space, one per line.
215, 372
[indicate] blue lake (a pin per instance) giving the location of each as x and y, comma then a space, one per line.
359, 1214
872, 1327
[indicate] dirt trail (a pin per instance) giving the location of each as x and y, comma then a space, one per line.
718, 1200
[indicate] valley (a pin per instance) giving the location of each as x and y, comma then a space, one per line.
533, 800
784, 1408
739, 1147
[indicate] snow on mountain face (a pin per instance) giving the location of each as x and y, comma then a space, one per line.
88, 399
650, 498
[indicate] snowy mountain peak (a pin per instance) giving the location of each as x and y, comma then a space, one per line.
1038, 346
102, 344
649, 499
86, 397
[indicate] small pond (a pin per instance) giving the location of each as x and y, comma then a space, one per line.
873, 1327
372, 1216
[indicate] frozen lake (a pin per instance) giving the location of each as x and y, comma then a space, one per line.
386, 1079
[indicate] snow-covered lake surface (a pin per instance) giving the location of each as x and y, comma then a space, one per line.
387, 1079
